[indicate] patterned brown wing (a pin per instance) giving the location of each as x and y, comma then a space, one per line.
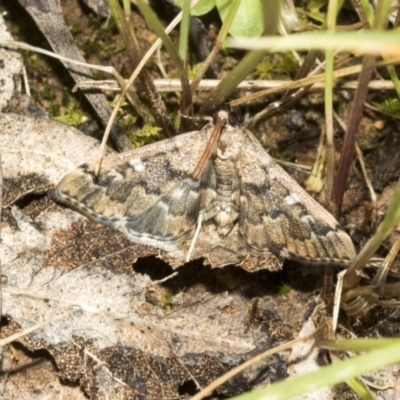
147, 192
276, 214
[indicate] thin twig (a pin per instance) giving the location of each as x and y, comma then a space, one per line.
346, 157
174, 85
318, 78
363, 167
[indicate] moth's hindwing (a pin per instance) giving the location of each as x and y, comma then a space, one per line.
277, 214
146, 192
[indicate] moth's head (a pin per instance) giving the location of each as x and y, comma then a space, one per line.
230, 118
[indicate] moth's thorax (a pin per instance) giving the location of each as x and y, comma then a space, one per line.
227, 179
230, 143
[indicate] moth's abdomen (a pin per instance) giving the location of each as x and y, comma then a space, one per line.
227, 199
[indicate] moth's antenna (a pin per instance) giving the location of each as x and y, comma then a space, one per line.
200, 220
219, 124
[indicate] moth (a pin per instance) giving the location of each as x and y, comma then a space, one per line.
218, 183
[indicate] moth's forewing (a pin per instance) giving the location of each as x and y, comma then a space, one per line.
146, 192
278, 215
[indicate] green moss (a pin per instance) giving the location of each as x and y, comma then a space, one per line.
284, 290
390, 106
193, 71
103, 37
65, 97
48, 93
72, 115
146, 135
35, 62
99, 75
167, 304
54, 110
95, 21
76, 28
277, 66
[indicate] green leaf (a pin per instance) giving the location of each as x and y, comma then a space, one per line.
315, 7
248, 21
201, 8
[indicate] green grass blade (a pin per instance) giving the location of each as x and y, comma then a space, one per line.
153, 21
327, 376
184, 31
391, 219
247, 65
